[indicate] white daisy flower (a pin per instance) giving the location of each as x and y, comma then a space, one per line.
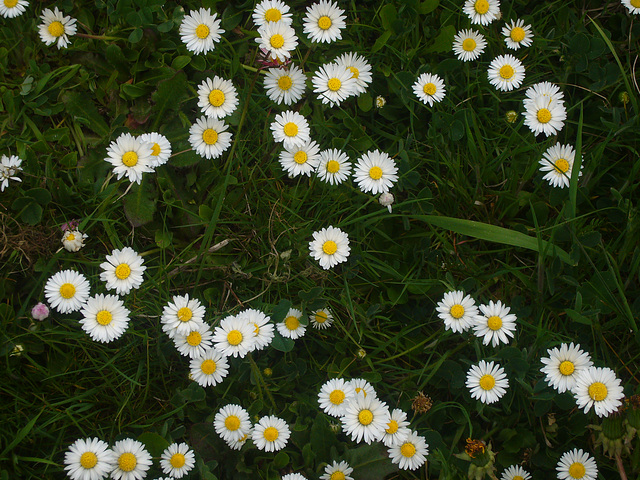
67, 291
324, 21
337, 471
330, 246
200, 31
294, 476
365, 419
129, 156
557, 164
482, 11
487, 382
270, 434
13, 8
386, 199
515, 472
232, 422
359, 68
333, 84
506, 72
177, 460
160, 148
89, 459
632, 5
321, 318
397, 429
182, 315
238, 444
234, 337
375, 172
301, 159
334, 166
598, 388
271, 11
262, 327
362, 387
468, 45
544, 116
563, 366
285, 85
429, 89
550, 91
291, 129
577, 464
495, 324
195, 342
334, 396
9, 167
209, 138
458, 311
123, 270
411, 453
279, 39
105, 318
217, 97
210, 368
132, 460
73, 240
56, 27
291, 327
517, 35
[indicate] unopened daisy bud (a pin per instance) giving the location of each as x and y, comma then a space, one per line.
612, 433
386, 200
267, 372
380, 101
511, 116
40, 311
624, 97
361, 353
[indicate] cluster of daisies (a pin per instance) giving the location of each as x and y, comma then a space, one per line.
9, 168
56, 28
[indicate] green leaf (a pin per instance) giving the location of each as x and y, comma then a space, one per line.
180, 62
140, 203
382, 41
281, 460
83, 110
40, 195
388, 15
136, 35
370, 462
17, 438
282, 344
170, 94
365, 102
70, 160
155, 443
163, 239
280, 311
428, 6
321, 437
310, 294
32, 214
444, 40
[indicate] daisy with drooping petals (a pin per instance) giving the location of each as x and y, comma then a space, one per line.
333, 84
397, 429
577, 464
285, 85
544, 116
506, 72
89, 459
291, 327
482, 11
105, 318
547, 90
270, 434
279, 39
515, 472
334, 396
160, 148
334, 166
232, 422
330, 246
359, 68
563, 366
495, 324
429, 89
262, 328
459, 312
177, 460
557, 164
468, 45
487, 382
73, 240
337, 471
365, 419
234, 337
9, 167
13, 8
209, 138
321, 318
411, 453
56, 27
632, 5
271, 11
130, 156
200, 31
67, 291
210, 368
290, 128
194, 342
123, 270
132, 460
375, 172
238, 444
324, 21
598, 388
362, 387
300, 160
517, 35
181, 315
217, 97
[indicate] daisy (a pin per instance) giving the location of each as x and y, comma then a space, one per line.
123, 270
506, 72
598, 388
160, 148
459, 312
365, 418
105, 318
468, 45
333, 84
210, 368
375, 172
632, 5
271, 11
56, 27
323, 22
232, 422
334, 396
294, 476
429, 89
330, 246
545, 116
397, 429
67, 291
132, 460
279, 39
337, 471
495, 324
547, 90
9, 167
130, 156
73, 240
411, 453
517, 35
217, 97
177, 460
238, 444
301, 159
487, 382
334, 166
200, 31
362, 387
89, 459
291, 327
270, 434
209, 138
321, 318
482, 11
515, 472
557, 162
262, 328
577, 464
291, 129
359, 68
182, 315
13, 8
563, 366
285, 85
234, 337
194, 342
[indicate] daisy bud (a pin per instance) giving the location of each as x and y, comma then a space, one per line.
17, 351
511, 116
40, 311
386, 200
380, 101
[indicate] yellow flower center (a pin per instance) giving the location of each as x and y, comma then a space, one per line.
71, 237
257, 330
10, 3
365, 417
337, 397
185, 314
271, 434
208, 367
87, 459
104, 317
232, 423
517, 34
481, 6
361, 390
127, 462
324, 22
290, 129
506, 72
393, 427
202, 31
155, 150
544, 115
561, 165
333, 166
598, 391
375, 173
194, 339
634, 3
494, 323
276, 41
272, 15
329, 247
457, 311
487, 382
130, 159
408, 450
216, 97
177, 460
123, 271
210, 136
234, 337
284, 82
337, 476
321, 317
518, 477
67, 290
355, 72
300, 157
566, 367
292, 323
429, 88
334, 84
469, 45
577, 470
56, 28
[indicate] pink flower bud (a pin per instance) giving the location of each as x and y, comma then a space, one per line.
40, 311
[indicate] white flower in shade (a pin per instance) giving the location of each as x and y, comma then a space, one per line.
334, 396
547, 90
56, 27
330, 246
73, 240
482, 11
291, 327
290, 128
429, 89
182, 315
89, 459
210, 368
333, 84
544, 116
563, 366
557, 165
234, 337
598, 388
362, 387
324, 22
506, 72
177, 460
160, 148
105, 318
365, 419
632, 5
458, 311
232, 422
132, 460
123, 270
271, 11
515, 472
301, 159
577, 464
487, 382
294, 476
270, 434
397, 429
517, 35
129, 156
285, 85
217, 97
209, 138
380, 101
468, 45
238, 444
9, 167
194, 342
263, 331
411, 453
359, 68
67, 291
386, 199
334, 166
200, 31
375, 172
495, 324
13, 8
337, 471
321, 318
279, 39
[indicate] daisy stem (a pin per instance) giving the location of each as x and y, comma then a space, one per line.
246, 67
97, 37
261, 382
